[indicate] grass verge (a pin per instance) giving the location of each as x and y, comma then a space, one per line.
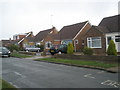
78, 62
18, 55
5, 85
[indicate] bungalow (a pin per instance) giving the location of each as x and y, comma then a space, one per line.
19, 39
28, 42
44, 37
73, 34
98, 37
51, 39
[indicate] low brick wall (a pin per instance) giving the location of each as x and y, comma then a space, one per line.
109, 59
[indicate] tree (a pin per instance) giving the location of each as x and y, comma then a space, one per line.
13, 47
70, 48
112, 48
41, 47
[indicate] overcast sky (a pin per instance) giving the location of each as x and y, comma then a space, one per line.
21, 16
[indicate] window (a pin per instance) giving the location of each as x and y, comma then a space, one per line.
94, 42
48, 45
76, 41
108, 40
82, 42
117, 38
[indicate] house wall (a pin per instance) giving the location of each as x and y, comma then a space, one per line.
46, 40
56, 42
78, 46
18, 37
96, 33
66, 41
112, 35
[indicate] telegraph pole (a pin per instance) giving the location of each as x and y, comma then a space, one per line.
52, 20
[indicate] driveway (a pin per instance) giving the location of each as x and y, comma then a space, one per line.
26, 73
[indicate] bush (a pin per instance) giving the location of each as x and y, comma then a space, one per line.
70, 48
87, 51
41, 47
13, 47
112, 48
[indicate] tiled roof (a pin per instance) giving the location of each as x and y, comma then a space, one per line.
111, 23
41, 35
30, 39
102, 29
70, 31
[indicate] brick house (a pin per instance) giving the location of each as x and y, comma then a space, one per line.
98, 37
5, 43
53, 39
45, 37
74, 33
18, 39
28, 42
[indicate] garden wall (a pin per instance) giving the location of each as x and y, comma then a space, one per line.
109, 59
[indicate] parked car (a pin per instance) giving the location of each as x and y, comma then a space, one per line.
32, 49
61, 48
4, 52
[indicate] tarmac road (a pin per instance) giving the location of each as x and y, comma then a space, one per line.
26, 73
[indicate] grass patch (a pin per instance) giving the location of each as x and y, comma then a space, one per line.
18, 55
5, 85
78, 62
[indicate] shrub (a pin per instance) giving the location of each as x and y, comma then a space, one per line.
70, 48
41, 47
87, 51
13, 47
112, 48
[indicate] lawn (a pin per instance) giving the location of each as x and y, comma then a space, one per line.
5, 85
18, 55
78, 62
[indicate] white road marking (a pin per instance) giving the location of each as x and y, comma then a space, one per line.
100, 72
111, 83
13, 85
89, 76
18, 73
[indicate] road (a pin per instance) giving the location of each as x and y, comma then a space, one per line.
26, 73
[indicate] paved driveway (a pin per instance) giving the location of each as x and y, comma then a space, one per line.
26, 73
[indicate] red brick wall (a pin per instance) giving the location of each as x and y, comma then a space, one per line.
79, 46
96, 33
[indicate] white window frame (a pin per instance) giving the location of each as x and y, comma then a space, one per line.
89, 39
46, 45
18, 37
38, 43
116, 37
76, 41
